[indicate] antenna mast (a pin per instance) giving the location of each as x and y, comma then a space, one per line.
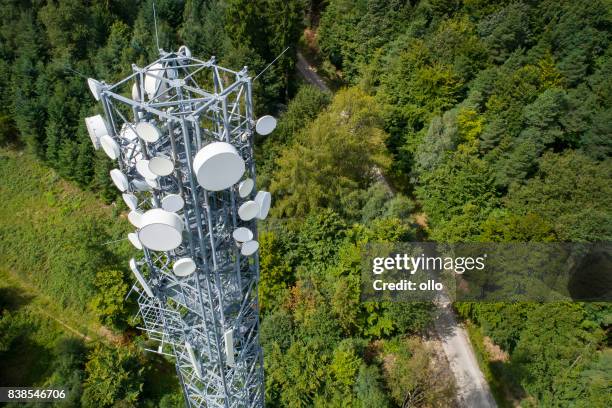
185, 166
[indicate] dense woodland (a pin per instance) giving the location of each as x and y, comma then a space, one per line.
490, 120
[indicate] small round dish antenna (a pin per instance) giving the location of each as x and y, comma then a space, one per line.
95, 87
130, 200
153, 81
265, 125
248, 210
140, 185
218, 166
172, 203
142, 166
184, 267
110, 147
96, 127
161, 166
120, 180
242, 234
184, 51
135, 218
133, 238
249, 248
148, 132
245, 187
161, 230
136, 92
263, 200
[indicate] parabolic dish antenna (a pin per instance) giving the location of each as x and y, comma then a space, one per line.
248, 210
96, 127
148, 132
119, 179
142, 166
263, 200
249, 248
242, 234
133, 238
130, 200
135, 218
172, 202
110, 147
265, 125
136, 92
245, 187
184, 267
161, 230
95, 87
218, 166
152, 82
161, 166
183, 50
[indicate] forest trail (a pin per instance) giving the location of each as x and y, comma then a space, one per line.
472, 389
310, 74
45, 306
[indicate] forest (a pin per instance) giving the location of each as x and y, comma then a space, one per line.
448, 121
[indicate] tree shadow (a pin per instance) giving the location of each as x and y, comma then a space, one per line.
13, 298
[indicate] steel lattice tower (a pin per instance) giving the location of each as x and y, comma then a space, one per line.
186, 168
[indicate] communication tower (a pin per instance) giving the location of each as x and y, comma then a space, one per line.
181, 132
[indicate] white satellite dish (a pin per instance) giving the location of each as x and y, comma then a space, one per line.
183, 50
96, 127
184, 267
249, 248
95, 87
242, 234
161, 166
130, 200
172, 202
152, 81
133, 238
142, 167
161, 230
136, 92
264, 200
148, 132
265, 125
248, 210
120, 180
110, 147
135, 218
245, 187
218, 166
140, 185
140, 278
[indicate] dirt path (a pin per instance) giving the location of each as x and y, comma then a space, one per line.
472, 389
310, 74
41, 304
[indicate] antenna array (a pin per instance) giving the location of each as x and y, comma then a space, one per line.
186, 170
